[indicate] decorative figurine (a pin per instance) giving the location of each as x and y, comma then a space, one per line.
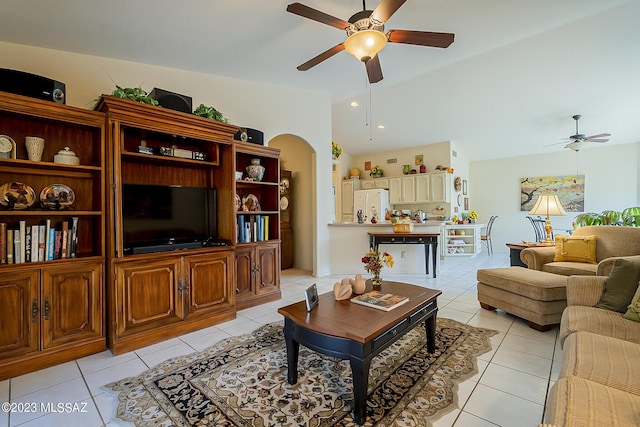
360, 217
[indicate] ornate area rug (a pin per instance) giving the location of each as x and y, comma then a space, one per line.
242, 381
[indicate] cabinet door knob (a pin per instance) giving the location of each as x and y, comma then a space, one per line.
34, 310
46, 308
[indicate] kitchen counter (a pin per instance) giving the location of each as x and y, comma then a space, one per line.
350, 241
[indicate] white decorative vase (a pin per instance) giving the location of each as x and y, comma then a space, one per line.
255, 170
35, 147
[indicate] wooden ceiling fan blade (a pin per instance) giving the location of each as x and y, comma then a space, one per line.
322, 57
385, 9
600, 135
421, 38
374, 70
316, 15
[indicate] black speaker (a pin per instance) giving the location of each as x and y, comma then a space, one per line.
172, 101
32, 85
250, 135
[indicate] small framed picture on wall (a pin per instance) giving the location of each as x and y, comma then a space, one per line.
464, 187
466, 203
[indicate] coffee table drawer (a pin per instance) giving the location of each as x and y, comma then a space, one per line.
391, 335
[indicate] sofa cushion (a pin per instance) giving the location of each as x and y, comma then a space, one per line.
575, 248
620, 286
578, 402
605, 360
633, 311
604, 322
567, 268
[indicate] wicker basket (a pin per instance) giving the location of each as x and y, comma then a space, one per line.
402, 228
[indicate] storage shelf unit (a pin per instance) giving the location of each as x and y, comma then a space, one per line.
462, 240
53, 311
154, 296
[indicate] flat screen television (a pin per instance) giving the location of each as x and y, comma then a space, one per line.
162, 218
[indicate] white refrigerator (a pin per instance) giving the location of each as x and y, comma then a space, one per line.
372, 203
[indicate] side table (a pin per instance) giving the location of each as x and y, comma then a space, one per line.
516, 248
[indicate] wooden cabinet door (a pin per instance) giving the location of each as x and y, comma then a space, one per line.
208, 279
72, 304
422, 188
245, 271
286, 254
440, 187
395, 190
268, 268
147, 295
20, 313
408, 189
346, 197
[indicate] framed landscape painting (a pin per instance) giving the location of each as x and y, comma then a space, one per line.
568, 188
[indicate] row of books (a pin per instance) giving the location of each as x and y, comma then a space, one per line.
252, 228
39, 242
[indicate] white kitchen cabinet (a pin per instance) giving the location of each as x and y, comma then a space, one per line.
395, 190
367, 184
381, 183
346, 197
423, 188
440, 187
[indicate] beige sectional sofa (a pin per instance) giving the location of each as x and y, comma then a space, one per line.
599, 384
611, 242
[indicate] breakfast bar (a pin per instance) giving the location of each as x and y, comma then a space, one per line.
429, 240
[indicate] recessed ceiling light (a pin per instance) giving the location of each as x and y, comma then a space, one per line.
380, 126
353, 104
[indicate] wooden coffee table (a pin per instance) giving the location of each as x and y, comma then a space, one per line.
350, 331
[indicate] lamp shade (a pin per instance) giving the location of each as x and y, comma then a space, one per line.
365, 44
548, 205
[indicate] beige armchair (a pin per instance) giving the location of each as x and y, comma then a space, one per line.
612, 242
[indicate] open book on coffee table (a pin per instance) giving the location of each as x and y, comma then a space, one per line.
380, 300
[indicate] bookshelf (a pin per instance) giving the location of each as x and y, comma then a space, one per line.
54, 305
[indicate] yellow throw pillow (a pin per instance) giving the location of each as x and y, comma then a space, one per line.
576, 248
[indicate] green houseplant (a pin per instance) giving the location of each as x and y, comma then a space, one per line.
135, 94
210, 113
629, 217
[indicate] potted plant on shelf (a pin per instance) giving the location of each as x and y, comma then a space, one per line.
376, 171
210, 113
135, 94
336, 151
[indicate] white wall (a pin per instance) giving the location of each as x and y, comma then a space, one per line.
276, 110
611, 182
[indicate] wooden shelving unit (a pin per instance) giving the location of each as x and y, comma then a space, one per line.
155, 296
258, 259
54, 311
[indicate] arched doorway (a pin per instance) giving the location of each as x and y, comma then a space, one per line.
297, 156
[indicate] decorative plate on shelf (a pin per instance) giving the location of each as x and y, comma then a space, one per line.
250, 203
57, 196
238, 203
16, 195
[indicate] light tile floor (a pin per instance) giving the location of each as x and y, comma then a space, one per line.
508, 390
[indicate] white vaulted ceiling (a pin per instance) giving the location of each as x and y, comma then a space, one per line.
509, 84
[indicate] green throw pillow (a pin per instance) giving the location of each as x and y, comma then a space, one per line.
620, 286
633, 311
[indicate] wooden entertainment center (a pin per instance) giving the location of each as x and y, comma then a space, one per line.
63, 309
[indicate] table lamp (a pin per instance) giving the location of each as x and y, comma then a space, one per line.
548, 204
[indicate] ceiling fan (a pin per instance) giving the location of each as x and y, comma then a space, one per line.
579, 140
366, 36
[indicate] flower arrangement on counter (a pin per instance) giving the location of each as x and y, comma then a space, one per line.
473, 215
336, 151
376, 171
374, 260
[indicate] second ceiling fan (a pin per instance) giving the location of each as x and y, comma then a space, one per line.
366, 36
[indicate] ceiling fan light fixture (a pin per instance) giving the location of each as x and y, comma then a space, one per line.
365, 44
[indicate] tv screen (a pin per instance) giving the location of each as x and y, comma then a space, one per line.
158, 214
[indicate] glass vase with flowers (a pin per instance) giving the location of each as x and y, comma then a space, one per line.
373, 261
